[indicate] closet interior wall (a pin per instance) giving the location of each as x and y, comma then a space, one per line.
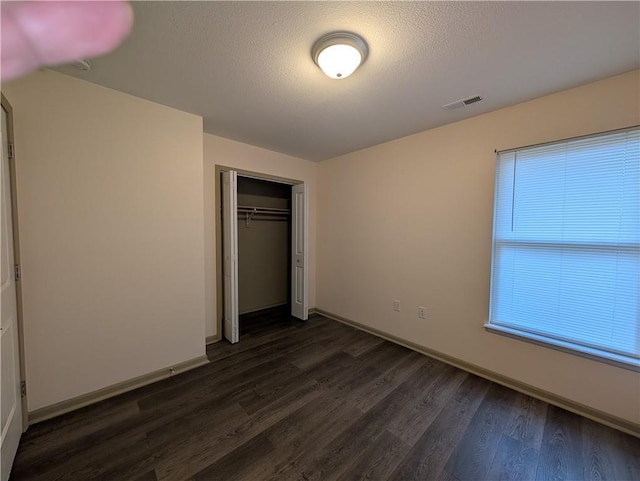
263, 245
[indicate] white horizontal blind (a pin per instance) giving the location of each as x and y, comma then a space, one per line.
566, 250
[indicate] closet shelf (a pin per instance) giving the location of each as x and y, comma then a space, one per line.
250, 211
261, 210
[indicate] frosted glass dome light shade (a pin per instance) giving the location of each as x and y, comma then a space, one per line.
339, 61
339, 54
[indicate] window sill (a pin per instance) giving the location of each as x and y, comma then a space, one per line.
589, 353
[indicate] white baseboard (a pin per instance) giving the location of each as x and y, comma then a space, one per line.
78, 402
546, 396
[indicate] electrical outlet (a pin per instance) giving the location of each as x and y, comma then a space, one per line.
396, 306
422, 312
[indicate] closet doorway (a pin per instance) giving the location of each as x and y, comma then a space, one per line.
263, 246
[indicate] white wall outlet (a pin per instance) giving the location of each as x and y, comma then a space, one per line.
422, 312
396, 306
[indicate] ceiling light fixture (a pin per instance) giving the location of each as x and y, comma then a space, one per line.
339, 54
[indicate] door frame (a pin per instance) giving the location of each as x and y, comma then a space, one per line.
217, 192
229, 221
16, 255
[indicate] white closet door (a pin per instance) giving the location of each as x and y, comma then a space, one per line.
230, 254
11, 408
299, 253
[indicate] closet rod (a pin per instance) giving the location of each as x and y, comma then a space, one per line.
249, 212
262, 210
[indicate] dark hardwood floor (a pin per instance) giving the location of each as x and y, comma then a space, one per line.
323, 401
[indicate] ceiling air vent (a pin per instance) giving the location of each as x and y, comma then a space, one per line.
462, 102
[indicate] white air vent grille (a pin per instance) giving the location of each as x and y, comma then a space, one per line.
462, 102
472, 100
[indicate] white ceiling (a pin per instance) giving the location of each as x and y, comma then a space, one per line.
246, 67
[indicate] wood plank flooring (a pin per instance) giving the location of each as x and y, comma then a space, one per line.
322, 401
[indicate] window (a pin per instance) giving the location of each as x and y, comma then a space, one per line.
566, 246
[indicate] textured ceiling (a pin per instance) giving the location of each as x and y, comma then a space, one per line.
246, 66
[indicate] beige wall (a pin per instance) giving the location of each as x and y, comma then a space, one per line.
111, 230
229, 153
411, 220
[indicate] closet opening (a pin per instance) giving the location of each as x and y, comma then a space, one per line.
264, 245
261, 251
